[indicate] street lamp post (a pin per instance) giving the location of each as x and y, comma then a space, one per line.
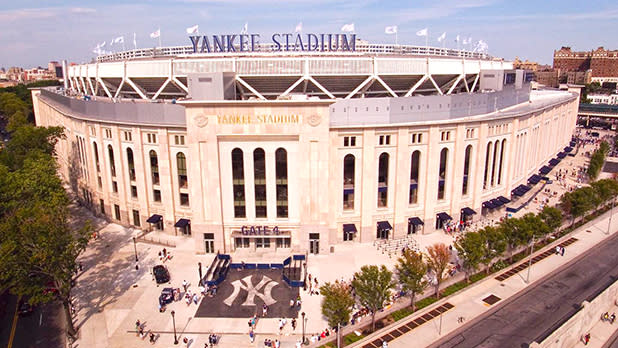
199, 270
303, 316
135, 248
174, 323
611, 212
530, 261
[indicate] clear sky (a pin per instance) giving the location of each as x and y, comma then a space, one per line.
35, 32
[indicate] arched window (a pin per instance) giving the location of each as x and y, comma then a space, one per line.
487, 163
238, 182
154, 167
112, 163
181, 164
502, 161
414, 171
383, 180
494, 165
466, 172
131, 163
96, 156
348, 182
281, 174
259, 180
442, 173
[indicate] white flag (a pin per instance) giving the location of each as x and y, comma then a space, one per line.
135, 40
422, 32
155, 34
299, 27
348, 27
442, 37
101, 45
465, 42
119, 39
470, 39
245, 28
390, 30
193, 29
457, 38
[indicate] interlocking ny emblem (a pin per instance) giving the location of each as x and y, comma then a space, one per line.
252, 291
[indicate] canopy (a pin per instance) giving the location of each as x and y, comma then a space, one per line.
415, 221
444, 216
349, 228
467, 211
182, 223
154, 219
384, 225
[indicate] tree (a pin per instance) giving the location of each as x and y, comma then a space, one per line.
439, 256
470, 248
495, 245
605, 189
552, 217
412, 271
509, 229
579, 202
337, 303
373, 286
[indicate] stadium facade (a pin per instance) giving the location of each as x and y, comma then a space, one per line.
301, 150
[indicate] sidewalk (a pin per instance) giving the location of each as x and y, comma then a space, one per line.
468, 303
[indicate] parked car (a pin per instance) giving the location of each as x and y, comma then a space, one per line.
167, 296
161, 274
24, 307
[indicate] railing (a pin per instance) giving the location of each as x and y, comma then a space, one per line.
269, 49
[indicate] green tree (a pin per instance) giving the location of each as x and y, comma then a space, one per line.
411, 271
532, 226
28, 139
552, 217
470, 248
509, 229
495, 245
438, 259
373, 287
579, 202
605, 189
337, 303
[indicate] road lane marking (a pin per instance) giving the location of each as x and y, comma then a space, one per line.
41, 319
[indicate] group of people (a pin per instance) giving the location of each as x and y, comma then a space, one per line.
607, 317
313, 289
142, 333
559, 250
164, 255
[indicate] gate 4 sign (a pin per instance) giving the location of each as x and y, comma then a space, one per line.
253, 290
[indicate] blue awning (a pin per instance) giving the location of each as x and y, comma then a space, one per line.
534, 179
554, 162
467, 211
497, 203
545, 170
517, 192
384, 226
524, 188
561, 155
182, 223
349, 228
154, 219
415, 221
444, 216
568, 149
413, 186
573, 143
348, 191
382, 189
504, 199
488, 205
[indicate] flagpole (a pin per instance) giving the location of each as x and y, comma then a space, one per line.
159, 37
396, 42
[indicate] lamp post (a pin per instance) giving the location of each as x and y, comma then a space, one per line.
135, 248
303, 316
199, 270
174, 323
530, 261
611, 212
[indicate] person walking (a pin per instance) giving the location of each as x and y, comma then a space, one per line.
293, 324
251, 335
587, 339
185, 285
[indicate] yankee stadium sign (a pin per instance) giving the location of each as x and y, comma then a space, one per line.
280, 42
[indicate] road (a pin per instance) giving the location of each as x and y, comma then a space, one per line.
542, 308
43, 328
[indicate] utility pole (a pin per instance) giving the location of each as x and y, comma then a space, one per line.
611, 212
530, 261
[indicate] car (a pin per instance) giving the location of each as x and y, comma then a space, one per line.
161, 274
25, 308
167, 296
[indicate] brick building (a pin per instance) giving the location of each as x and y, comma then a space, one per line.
602, 63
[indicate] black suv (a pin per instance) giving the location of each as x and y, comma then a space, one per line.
161, 274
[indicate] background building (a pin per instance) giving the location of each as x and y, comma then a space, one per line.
602, 64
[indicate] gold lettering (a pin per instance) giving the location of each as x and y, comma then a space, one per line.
259, 118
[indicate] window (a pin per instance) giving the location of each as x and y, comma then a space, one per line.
466, 173
181, 163
262, 242
154, 167
470, 133
114, 187
238, 182
384, 140
127, 136
281, 175
100, 182
501, 161
283, 242
184, 199
108, 133
259, 180
382, 179
416, 138
487, 163
112, 164
349, 141
131, 163
494, 165
136, 220
156, 195
102, 206
93, 131
348, 182
179, 139
96, 156
133, 191
241, 242
151, 137
414, 172
117, 212
442, 173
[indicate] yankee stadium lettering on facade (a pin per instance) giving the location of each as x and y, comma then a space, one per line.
281, 42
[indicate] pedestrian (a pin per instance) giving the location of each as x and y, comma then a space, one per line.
291, 303
562, 251
152, 337
81, 266
164, 252
557, 249
277, 344
384, 344
293, 324
264, 310
251, 335
587, 339
185, 285
195, 299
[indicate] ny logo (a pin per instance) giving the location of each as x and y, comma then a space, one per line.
252, 291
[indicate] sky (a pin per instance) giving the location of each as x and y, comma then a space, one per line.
32, 33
